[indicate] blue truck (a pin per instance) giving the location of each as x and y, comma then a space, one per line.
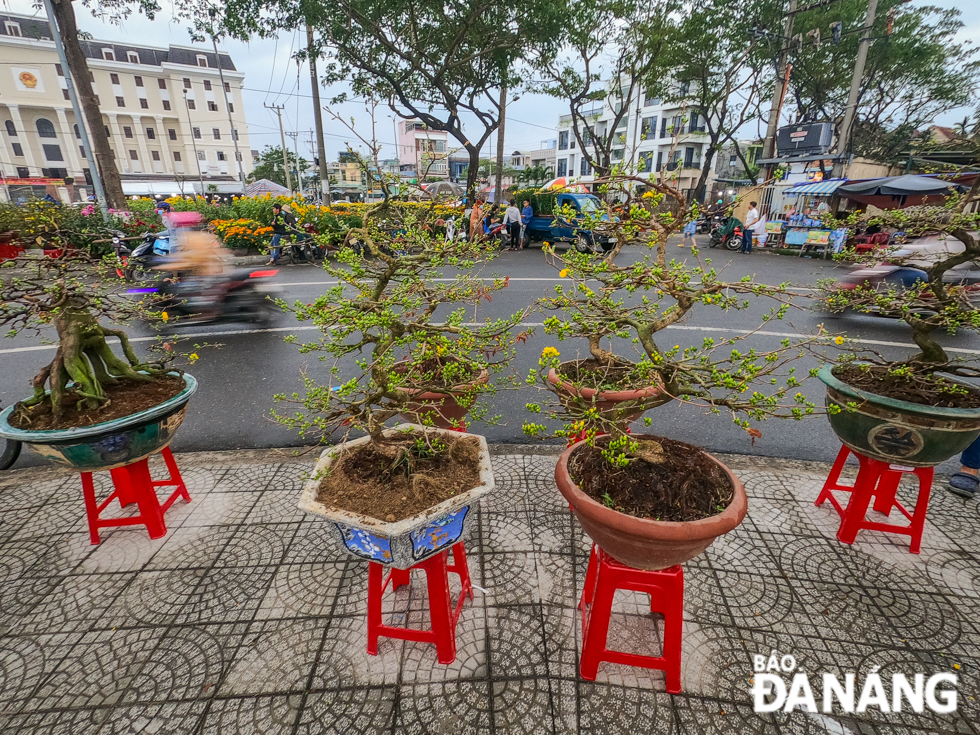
548, 227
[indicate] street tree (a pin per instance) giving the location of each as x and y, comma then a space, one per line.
440, 62
612, 48
270, 165
917, 72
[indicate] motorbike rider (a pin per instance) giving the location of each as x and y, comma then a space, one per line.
200, 264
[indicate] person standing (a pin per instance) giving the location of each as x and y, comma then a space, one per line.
966, 482
512, 221
278, 230
526, 215
689, 230
751, 217
759, 230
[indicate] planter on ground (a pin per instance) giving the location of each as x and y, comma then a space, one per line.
109, 444
895, 431
404, 543
9, 251
442, 408
608, 400
643, 543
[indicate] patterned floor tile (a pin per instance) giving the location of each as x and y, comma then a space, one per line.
345, 662
277, 507
446, 708
25, 663
257, 545
71, 722
617, 710
302, 590
227, 595
316, 541
697, 716
361, 711
247, 478
252, 715
275, 658
219, 509
523, 706
505, 533
517, 646
192, 546
167, 718
420, 662
122, 550
75, 604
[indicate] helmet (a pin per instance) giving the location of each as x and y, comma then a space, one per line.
165, 206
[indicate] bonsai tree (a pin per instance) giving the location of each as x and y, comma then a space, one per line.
76, 295
610, 306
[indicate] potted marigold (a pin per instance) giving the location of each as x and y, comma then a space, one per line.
92, 408
402, 311
650, 501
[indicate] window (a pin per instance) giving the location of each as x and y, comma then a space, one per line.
177, 155
57, 68
45, 129
54, 173
107, 133
201, 156
649, 100
144, 105
133, 156
585, 168
81, 150
197, 133
78, 133
231, 107
202, 61
64, 93
238, 155
216, 133
155, 155
151, 134
191, 105
18, 150
663, 129
660, 160
11, 130
139, 81
649, 128
733, 160
562, 167
120, 102
187, 83
108, 54
645, 162
221, 156
563, 142
616, 155
127, 131
207, 84
213, 106
23, 172
234, 133
114, 78
688, 157
166, 104
13, 29
162, 83
52, 152
228, 87
133, 58
172, 134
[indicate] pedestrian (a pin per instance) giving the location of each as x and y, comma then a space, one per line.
526, 215
689, 230
278, 230
751, 217
512, 221
759, 230
966, 482
491, 229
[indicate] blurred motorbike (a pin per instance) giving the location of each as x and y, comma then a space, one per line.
241, 295
901, 278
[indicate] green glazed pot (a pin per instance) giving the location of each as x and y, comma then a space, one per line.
898, 432
109, 444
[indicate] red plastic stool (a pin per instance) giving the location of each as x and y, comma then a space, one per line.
666, 590
441, 610
133, 484
878, 479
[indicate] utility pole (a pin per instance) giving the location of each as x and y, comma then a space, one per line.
282, 137
769, 145
498, 180
850, 113
77, 109
190, 125
321, 149
299, 174
234, 135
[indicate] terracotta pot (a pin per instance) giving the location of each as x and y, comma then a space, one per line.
642, 543
607, 400
443, 409
9, 252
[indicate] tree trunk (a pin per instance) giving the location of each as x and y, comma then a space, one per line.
78, 68
498, 181
699, 189
932, 351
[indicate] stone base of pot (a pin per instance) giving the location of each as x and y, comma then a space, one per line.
108, 444
401, 544
441, 409
642, 543
899, 432
606, 401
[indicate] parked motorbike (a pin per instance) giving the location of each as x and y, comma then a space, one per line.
138, 263
237, 296
732, 241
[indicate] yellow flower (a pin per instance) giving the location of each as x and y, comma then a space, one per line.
193, 357
549, 352
165, 316
838, 340
546, 244
563, 273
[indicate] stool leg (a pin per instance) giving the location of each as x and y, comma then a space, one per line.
175, 477
886, 491
673, 624
834, 476
462, 569
857, 504
375, 583
596, 628
139, 485
91, 507
400, 577
440, 611
921, 505
589, 589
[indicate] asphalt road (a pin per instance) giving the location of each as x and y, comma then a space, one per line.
238, 379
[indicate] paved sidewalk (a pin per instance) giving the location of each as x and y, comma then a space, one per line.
246, 618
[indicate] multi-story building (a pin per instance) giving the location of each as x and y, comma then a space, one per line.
163, 109
422, 152
541, 159
652, 137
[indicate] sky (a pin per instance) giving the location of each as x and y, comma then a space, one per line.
271, 78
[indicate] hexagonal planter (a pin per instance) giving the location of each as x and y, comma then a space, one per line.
404, 543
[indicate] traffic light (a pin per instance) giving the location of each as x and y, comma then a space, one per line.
835, 30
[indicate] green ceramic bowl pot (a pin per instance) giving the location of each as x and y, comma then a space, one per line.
109, 444
898, 432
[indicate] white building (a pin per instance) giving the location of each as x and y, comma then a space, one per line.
649, 138
158, 105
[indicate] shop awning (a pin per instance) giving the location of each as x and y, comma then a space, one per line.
824, 188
